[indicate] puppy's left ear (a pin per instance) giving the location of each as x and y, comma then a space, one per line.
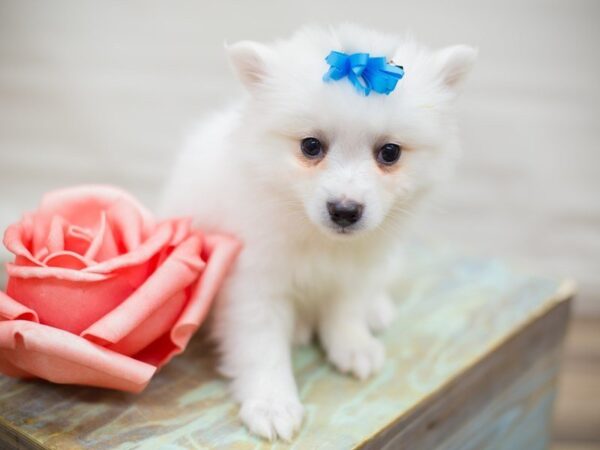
250, 60
454, 63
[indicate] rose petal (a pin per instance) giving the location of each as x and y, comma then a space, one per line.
67, 260
42, 253
78, 239
96, 243
55, 240
178, 271
27, 228
104, 246
12, 310
182, 230
220, 252
15, 240
19, 270
40, 230
28, 348
69, 305
127, 222
140, 255
81, 205
153, 327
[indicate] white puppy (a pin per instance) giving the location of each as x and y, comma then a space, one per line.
315, 178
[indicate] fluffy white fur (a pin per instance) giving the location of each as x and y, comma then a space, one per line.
242, 172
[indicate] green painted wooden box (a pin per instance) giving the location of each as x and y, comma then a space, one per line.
472, 363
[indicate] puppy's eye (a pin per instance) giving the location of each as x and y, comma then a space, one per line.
312, 148
388, 154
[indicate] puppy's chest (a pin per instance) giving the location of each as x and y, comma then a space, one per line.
317, 274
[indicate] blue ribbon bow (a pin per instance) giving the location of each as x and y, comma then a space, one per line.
364, 72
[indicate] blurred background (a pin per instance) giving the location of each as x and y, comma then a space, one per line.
105, 91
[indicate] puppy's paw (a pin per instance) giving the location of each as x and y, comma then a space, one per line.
272, 418
381, 313
360, 357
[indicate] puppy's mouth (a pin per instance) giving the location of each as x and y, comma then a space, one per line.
343, 232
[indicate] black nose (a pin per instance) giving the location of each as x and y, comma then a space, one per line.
344, 212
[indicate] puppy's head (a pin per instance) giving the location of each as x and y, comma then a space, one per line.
347, 162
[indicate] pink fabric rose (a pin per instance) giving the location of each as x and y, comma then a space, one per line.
101, 293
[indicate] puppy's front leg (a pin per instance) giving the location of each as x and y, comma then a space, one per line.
345, 336
256, 329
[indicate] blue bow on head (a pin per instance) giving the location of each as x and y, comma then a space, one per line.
364, 72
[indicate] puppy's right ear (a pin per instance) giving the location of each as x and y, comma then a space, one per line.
454, 63
250, 61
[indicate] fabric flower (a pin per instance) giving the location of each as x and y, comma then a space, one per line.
100, 292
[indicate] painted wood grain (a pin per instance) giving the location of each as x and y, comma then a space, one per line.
576, 424
504, 401
456, 314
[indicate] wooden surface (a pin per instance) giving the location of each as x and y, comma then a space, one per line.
472, 355
503, 402
577, 415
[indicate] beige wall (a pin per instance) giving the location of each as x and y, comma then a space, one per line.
103, 91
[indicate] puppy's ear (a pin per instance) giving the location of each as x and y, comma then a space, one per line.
454, 63
250, 61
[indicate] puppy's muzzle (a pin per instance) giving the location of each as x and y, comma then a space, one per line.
345, 212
